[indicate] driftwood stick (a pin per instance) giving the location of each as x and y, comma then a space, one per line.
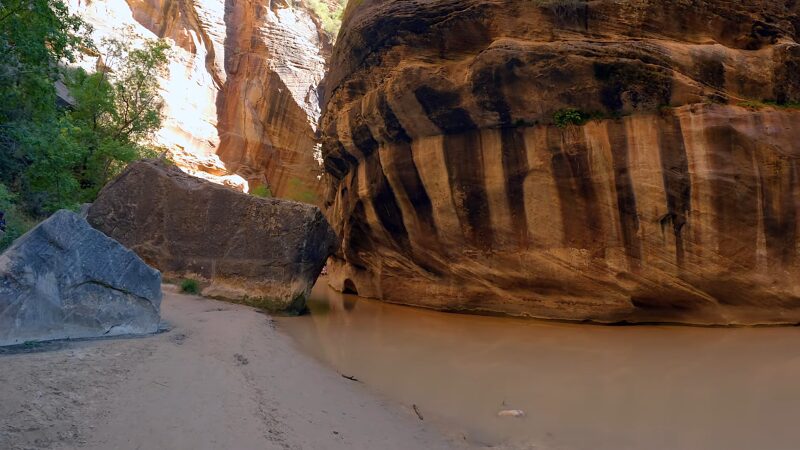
416, 410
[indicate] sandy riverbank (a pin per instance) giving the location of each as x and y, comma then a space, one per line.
221, 378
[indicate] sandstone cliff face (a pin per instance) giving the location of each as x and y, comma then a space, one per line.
241, 95
452, 187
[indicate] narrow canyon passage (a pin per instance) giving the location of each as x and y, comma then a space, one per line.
580, 386
176, 175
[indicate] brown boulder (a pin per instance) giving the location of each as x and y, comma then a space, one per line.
263, 251
459, 177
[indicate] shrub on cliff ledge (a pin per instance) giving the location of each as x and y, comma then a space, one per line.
570, 116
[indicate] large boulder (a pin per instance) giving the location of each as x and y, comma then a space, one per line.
64, 279
263, 251
605, 160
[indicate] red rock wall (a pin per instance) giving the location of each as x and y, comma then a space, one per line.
453, 188
242, 91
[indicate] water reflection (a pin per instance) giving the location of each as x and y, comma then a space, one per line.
581, 386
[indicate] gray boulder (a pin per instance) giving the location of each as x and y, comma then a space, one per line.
64, 279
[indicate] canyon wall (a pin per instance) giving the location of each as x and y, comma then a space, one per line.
607, 160
241, 95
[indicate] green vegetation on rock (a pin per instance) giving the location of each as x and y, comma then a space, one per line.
330, 14
65, 132
261, 191
567, 117
298, 191
570, 116
17, 222
756, 104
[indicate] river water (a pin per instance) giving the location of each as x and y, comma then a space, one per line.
580, 386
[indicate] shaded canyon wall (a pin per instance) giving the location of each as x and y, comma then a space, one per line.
456, 183
241, 95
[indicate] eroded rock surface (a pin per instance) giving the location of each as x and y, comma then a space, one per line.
453, 188
241, 102
262, 251
64, 279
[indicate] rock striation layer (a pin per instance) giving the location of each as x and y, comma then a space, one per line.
464, 173
66, 280
241, 93
262, 251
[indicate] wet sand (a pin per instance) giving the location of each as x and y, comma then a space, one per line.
222, 378
580, 386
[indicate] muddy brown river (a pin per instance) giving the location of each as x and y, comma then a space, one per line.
580, 386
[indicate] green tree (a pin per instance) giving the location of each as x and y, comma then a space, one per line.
117, 110
329, 13
17, 223
52, 157
35, 36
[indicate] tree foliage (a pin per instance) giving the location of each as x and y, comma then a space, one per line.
35, 36
55, 155
329, 13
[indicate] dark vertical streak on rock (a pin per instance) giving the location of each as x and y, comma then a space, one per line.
626, 197
411, 182
383, 199
426, 235
338, 161
402, 164
357, 233
576, 191
463, 157
778, 184
362, 137
734, 193
487, 88
443, 109
352, 160
336, 167
464, 161
677, 183
385, 204
394, 131
515, 168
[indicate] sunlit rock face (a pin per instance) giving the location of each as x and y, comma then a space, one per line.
453, 188
241, 94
